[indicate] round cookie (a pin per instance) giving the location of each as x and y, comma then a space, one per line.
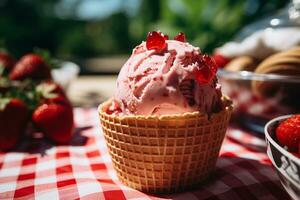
268, 66
242, 63
284, 63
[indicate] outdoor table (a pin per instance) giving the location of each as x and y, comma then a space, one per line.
83, 169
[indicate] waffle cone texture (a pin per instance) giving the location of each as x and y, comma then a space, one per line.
164, 154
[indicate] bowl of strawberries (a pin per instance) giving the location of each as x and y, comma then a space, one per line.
31, 102
283, 148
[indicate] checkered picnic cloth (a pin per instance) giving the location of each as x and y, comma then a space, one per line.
245, 101
85, 171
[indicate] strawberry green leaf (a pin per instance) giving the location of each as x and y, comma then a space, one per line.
4, 82
45, 54
3, 103
25, 91
46, 91
1, 69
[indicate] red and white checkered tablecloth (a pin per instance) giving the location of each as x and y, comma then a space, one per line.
245, 101
84, 170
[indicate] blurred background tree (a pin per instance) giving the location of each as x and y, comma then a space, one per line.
93, 28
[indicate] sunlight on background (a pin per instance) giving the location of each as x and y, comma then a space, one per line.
83, 29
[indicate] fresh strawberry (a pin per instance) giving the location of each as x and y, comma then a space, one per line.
4, 84
13, 121
6, 63
54, 115
288, 133
31, 66
49, 90
57, 88
55, 120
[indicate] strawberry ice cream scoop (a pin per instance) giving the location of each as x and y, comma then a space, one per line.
173, 80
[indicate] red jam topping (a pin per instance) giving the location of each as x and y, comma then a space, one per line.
206, 70
166, 37
114, 108
180, 37
155, 41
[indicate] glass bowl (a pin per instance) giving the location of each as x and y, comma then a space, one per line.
258, 98
286, 164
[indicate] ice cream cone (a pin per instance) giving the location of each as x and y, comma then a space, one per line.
164, 154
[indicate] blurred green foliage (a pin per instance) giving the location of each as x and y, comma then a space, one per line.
25, 24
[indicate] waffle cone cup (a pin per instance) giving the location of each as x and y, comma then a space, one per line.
164, 154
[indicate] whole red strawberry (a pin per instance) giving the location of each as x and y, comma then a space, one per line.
114, 108
55, 121
6, 61
13, 121
54, 116
288, 133
31, 66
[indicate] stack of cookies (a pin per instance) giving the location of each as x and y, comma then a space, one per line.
285, 63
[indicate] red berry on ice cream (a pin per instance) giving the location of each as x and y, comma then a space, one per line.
155, 41
114, 108
166, 37
220, 60
288, 133
180, 37
206, 70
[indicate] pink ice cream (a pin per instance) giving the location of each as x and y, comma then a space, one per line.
163, 82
